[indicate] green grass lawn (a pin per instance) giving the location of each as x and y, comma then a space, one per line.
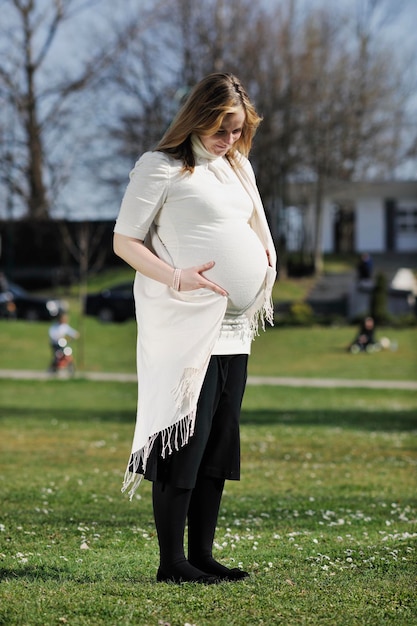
324, 518
280, 351
321, 352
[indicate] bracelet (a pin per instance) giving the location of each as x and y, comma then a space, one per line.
176, 279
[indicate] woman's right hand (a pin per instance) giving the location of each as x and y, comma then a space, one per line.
193, 278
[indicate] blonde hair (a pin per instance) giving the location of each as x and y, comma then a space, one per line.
212, 98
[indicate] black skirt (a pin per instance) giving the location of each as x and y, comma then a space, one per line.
214, 449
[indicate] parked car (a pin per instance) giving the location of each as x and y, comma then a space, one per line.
16, 302
41, 277
114, 304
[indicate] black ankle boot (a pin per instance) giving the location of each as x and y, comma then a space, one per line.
184, 572
214, 568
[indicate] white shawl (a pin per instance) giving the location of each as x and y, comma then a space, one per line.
177, 332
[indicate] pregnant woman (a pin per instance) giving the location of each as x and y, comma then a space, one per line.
193, 227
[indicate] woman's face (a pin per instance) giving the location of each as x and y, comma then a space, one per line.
229, 132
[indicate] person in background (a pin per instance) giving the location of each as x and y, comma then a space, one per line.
192, 225
59, 330
7, 306
365, 266
365, 339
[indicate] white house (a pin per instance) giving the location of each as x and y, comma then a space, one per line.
357, 216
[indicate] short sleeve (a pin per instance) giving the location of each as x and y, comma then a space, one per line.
144, 195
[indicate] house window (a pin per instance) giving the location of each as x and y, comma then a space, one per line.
407, 219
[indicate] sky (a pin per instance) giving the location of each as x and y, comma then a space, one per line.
397, 19
396, 22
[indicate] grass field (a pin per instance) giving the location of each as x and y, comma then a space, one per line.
281, 351
324, 518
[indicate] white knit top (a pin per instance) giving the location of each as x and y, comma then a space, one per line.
190, 219
204, 216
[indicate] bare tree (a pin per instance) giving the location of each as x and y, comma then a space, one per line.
85, 246
352, 108
273, 46
333, 101
156, 71
145, 94
213, 36
40, 94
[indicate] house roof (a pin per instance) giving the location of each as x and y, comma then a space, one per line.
304, 193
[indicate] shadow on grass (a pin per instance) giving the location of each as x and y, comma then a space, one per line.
88, 416
32, 573
45, 573
383, 420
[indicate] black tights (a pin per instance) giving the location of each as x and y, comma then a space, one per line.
172, 506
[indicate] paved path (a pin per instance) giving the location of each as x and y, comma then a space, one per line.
332, 382
252, 380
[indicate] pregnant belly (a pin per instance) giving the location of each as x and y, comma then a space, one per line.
240, 265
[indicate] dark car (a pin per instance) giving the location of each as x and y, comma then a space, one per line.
16, 302
114, 304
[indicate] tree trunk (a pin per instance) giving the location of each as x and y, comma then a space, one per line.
37, 201
83, 247
318, 227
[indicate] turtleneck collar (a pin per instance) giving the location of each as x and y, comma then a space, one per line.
200, 151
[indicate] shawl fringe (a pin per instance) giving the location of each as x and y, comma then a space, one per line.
261, 316
172, 438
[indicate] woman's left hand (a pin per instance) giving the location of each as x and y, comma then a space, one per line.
193, 278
